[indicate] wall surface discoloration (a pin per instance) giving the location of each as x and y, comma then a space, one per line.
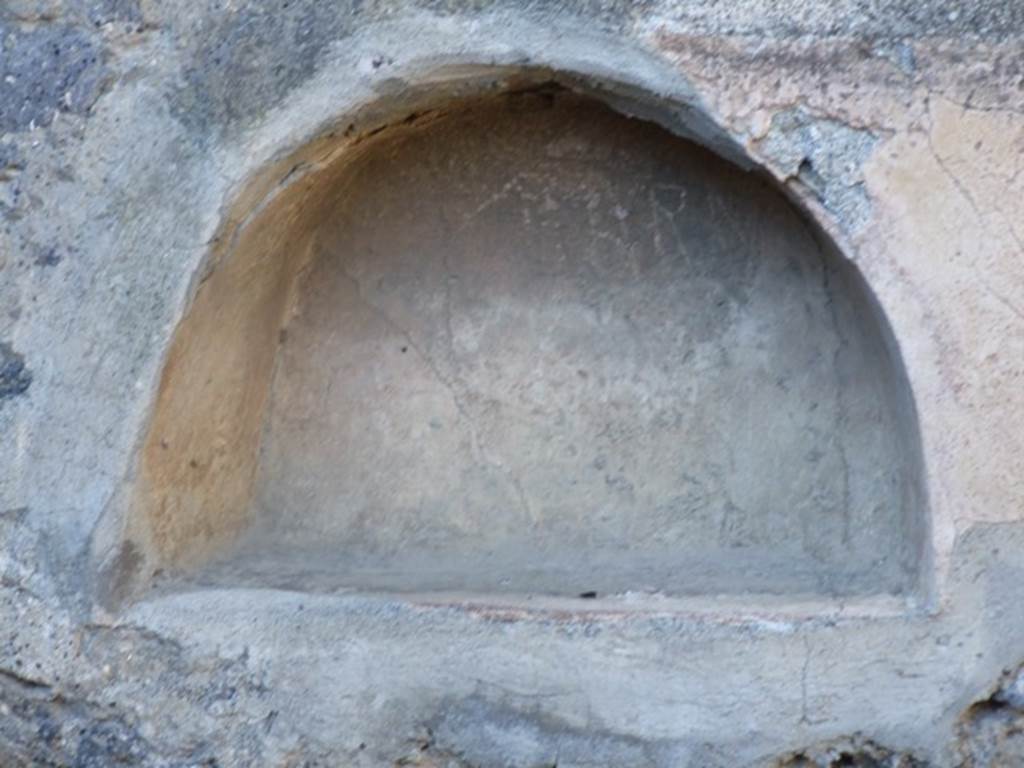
15, 378
134, 138
46, 71
826, 156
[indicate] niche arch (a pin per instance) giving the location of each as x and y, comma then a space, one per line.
513, 340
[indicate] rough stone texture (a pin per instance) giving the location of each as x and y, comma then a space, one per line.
853, 753
992, 730
47, 70
15, 378
136, 139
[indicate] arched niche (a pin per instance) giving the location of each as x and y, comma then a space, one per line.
523, 343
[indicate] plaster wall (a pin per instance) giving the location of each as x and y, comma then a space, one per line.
137, 142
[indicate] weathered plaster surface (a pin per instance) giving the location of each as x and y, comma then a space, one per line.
123, 154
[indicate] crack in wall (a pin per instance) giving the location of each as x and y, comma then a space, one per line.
451, 385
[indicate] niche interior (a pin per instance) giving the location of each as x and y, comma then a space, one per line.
523, 343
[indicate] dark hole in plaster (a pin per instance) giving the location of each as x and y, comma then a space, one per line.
15, 378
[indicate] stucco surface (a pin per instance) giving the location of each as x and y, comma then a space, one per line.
139, 138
